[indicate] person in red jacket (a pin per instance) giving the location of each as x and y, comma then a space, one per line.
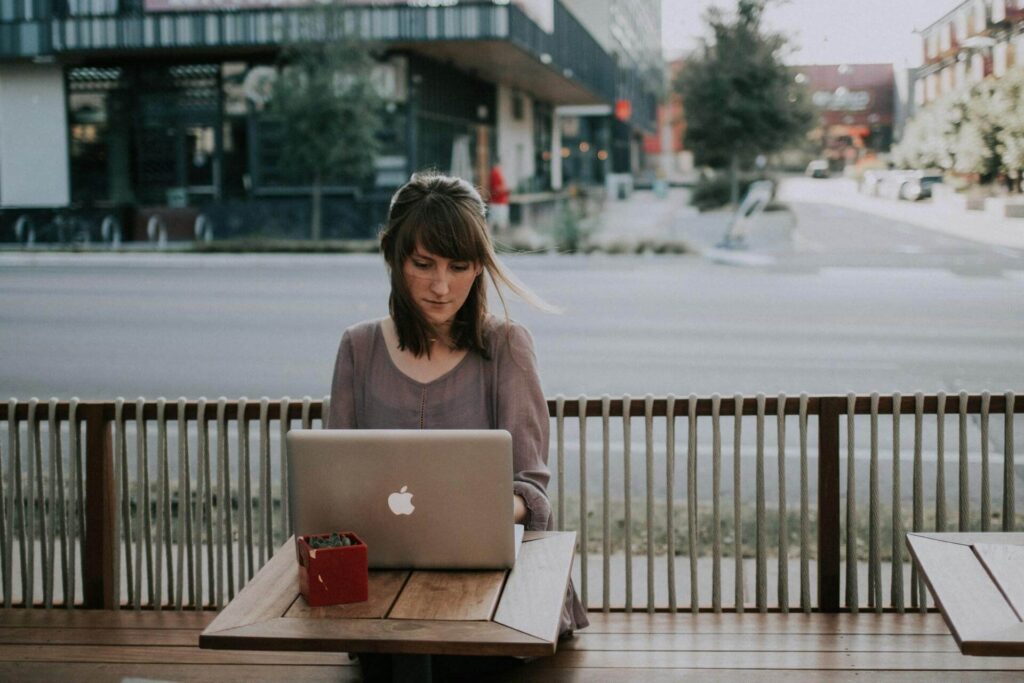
497, 211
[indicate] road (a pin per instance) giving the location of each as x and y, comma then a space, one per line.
850, 302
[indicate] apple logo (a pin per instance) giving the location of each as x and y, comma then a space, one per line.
400, 502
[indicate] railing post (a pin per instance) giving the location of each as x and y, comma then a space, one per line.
828, 503
98, 571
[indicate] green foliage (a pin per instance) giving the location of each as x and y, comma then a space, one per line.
714, 192
333, 541
977, 130
739, 99
330, 115
568, 233
326, 102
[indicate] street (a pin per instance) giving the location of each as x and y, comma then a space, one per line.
848, 302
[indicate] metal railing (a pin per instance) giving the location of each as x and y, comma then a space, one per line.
176, 504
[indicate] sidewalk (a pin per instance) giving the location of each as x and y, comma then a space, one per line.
642, 219
970, 225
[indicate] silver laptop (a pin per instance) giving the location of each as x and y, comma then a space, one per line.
426, 499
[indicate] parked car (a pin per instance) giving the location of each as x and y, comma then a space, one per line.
870, 181
910, 185
918, 185
817, 169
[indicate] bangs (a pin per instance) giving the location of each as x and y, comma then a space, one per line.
444, 228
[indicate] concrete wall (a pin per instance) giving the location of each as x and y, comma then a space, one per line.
515, 136
33, 136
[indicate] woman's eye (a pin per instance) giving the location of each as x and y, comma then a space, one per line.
422, 265
460, 267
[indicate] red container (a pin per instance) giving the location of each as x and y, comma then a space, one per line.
332, 576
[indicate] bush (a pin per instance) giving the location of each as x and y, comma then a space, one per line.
714, 192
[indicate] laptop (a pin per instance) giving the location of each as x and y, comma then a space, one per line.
420, 499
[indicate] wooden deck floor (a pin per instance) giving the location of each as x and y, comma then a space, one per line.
57, 645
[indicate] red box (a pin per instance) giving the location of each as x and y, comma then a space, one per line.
332, 576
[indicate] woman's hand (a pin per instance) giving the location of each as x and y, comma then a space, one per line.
519, 510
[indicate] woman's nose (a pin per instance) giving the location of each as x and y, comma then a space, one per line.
439, 284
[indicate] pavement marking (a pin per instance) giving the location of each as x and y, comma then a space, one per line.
175, 260
733, 257
876, 271
1006, 251
803, 243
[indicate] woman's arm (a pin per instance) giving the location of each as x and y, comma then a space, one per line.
343, 407
523, 411
519, 511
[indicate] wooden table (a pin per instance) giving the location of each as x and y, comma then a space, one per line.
419, 613
977, 580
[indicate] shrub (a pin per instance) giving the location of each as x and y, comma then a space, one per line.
712, 193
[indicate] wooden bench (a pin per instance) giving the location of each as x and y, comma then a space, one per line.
85, 645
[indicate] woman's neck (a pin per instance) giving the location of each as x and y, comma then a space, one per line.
441, 337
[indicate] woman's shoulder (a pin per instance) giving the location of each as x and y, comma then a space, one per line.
362, 333
505, 334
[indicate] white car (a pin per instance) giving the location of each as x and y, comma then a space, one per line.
817, 169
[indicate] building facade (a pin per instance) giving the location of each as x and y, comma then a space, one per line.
128, 106
856, 107
974, 40
597, 142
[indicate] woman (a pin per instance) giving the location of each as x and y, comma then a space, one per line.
440, 360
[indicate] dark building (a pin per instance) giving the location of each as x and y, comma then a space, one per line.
135, 107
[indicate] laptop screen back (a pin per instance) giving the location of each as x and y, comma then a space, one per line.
423, 499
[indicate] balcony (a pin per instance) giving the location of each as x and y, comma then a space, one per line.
496, 42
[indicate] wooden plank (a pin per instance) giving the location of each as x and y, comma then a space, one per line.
268, 595
100, 636
748, 642
47, 672
404, 636
163, 655
941, 662
828, 568
794, 623
99, 573
973, 537
450, 596
384, 587
536, 673
1008, 642
1005, 563
80, 618
535, 589
968, 597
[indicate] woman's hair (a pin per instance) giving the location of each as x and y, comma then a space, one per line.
445, 216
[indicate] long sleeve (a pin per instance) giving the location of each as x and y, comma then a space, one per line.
522, 410
343, 405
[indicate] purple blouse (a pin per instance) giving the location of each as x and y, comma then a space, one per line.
370, 392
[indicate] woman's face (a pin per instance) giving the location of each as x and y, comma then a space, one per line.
438, 286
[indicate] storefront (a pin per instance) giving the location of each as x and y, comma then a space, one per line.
855, 104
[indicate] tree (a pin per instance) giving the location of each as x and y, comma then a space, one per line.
739, 99
329, 111
977, 130
926, 139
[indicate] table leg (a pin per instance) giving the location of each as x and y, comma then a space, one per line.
411, 668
